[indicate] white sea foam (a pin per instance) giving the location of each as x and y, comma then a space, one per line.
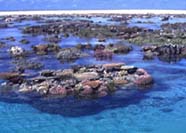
60, 12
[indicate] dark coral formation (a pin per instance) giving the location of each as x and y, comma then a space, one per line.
168, 53
86, 82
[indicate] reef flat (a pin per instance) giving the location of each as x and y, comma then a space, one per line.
76, 55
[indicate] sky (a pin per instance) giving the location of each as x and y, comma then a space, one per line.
91, 4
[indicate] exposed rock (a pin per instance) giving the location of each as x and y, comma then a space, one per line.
132, 70
166, 53
68, 54
149, 48
48, 73
165, 18
103, 87
124, 67
183, 52
84, 82
86, 76
9, 19
120, 81
102, 94
42, 88
58, 90
120, 48
17, 51
141, 72
103, 54
12, 77
148, 55
45, 48
143, 78
25, 88
113, 66
65, 73
99, 47
86, 91
101, 40
93, 84
9, 75
111, 86
40, 49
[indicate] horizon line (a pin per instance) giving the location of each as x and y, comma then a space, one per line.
84, 12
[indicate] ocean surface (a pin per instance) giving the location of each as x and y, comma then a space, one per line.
160, 109
7, 5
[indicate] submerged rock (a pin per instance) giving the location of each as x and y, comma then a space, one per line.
84, 46
53, 39
3, 25
23, 64
2, 44
24, 41
11, 38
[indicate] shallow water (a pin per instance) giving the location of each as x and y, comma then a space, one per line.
97, 20
154, 22
160, 109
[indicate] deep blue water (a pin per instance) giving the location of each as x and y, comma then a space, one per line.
160, 109
90, 4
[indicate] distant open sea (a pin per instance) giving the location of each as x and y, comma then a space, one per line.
7, 5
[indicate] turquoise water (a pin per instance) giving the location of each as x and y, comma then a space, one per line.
160, 109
